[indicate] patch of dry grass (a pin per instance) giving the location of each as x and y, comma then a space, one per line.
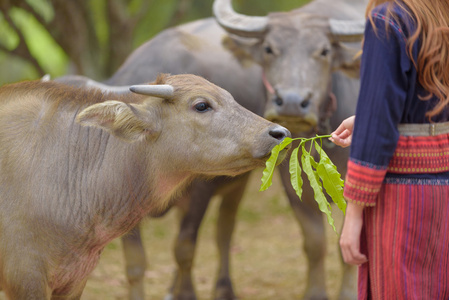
267, 258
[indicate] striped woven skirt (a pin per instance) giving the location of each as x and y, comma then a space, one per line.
406, 239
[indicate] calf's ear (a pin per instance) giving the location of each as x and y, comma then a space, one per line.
125, 121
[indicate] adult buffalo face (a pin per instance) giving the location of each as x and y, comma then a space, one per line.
298, 52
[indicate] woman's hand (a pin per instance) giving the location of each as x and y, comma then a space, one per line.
350, 235
342, 136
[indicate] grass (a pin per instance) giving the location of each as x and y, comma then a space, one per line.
267, 258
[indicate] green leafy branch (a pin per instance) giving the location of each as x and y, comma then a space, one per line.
322, 175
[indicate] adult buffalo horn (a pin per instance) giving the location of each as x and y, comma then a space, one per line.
157, 90
347, 30
238, 24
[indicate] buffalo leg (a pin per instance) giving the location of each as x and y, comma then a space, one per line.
346, 92
348, 289
311, 221
31, 292
225, 228
23, 273
200, 194
26, 286
136, 263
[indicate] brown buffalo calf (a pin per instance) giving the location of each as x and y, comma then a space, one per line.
79, 168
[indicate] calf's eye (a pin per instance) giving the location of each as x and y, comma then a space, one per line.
202, 107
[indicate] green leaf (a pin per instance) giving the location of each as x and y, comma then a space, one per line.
331, 179
285, 142
307, 162
271, 164
269, 169
295, 172
322, 175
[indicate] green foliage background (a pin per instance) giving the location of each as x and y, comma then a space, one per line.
53, 60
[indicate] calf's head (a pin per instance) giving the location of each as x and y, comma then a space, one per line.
298, 52
190, 125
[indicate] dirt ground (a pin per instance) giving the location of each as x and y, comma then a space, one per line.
267, 258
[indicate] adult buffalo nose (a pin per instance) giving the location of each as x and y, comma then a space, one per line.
279, 132
290, 102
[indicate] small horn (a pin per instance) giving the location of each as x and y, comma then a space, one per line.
238, 24
156, 90
347, 30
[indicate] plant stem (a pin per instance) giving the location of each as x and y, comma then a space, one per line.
313, 138
305, 140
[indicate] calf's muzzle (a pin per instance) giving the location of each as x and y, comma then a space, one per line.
279, 132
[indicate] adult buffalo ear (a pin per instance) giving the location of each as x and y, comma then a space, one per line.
126, 121
246, 51
347, 59
347, 56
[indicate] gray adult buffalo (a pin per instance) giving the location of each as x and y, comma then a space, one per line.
286, 58
79, 168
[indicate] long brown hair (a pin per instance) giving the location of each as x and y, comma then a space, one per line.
432, 28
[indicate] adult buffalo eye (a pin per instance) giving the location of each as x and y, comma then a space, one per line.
324, 52
202, 107
268, 50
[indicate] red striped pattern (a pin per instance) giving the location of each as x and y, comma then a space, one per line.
406, 239
423, 154
362, 183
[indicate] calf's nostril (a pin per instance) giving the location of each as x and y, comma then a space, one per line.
279, 133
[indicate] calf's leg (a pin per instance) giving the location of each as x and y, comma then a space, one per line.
23, 262
25, 283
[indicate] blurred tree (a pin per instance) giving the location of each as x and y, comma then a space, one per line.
86, 31
93, 37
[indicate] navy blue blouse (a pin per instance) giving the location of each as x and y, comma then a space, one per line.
390, 91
